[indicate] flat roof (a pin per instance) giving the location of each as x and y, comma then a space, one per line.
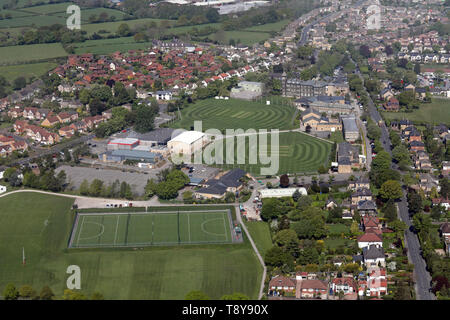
188, 137
124, 141
282, 192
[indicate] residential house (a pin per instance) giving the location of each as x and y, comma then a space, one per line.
368, 239
279, 284
311, 289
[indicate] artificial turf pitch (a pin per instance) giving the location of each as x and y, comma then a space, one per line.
147, 229
41, 225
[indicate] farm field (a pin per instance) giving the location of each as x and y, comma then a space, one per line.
41, 225
298, 153
236, 114
27, 70
156, 228
436, 112
269, 27
33, 52
244, 37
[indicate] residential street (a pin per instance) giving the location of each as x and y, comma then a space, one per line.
421, 275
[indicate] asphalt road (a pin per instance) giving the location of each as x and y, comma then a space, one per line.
421, 275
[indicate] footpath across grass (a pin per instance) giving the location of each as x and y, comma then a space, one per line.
260, 233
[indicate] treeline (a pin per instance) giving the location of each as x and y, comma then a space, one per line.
140, 9
167, 184
46, 179
26, 292
98, 188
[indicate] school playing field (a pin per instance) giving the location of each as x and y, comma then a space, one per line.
40, 225
297, 153
237, 114
151, 228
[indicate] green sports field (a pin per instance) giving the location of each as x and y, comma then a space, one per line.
41, 224
236, 114
156, 228
297, 153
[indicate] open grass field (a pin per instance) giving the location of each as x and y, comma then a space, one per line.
236, 114
41, 224
269, 27
436, 112
27, 70
245, 37
260, 233
297, 153
156, 228
107, 46
33, 52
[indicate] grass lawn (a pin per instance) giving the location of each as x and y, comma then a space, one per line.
297, 153
333, 243
436, 112
236, 114
259, 230
27, 70
41, 224
18, 54
338, 228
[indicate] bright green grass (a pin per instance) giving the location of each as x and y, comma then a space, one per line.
260, 234
18, 54
27, 70
236, 114
142, 229
149, 273
436, 112
297, 153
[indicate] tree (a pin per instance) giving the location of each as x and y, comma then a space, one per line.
284, 181
354, 228
97, 296
145, 116
196, 295
84, 188
364, 51
46, 293
415, 204
95, 188
391, 190
235, 296
390, 211
124, 30
10, 292
26, 291
276, 257
270, 209
73, 295
296, 195
19, 83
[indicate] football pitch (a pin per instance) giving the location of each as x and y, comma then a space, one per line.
151, 228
